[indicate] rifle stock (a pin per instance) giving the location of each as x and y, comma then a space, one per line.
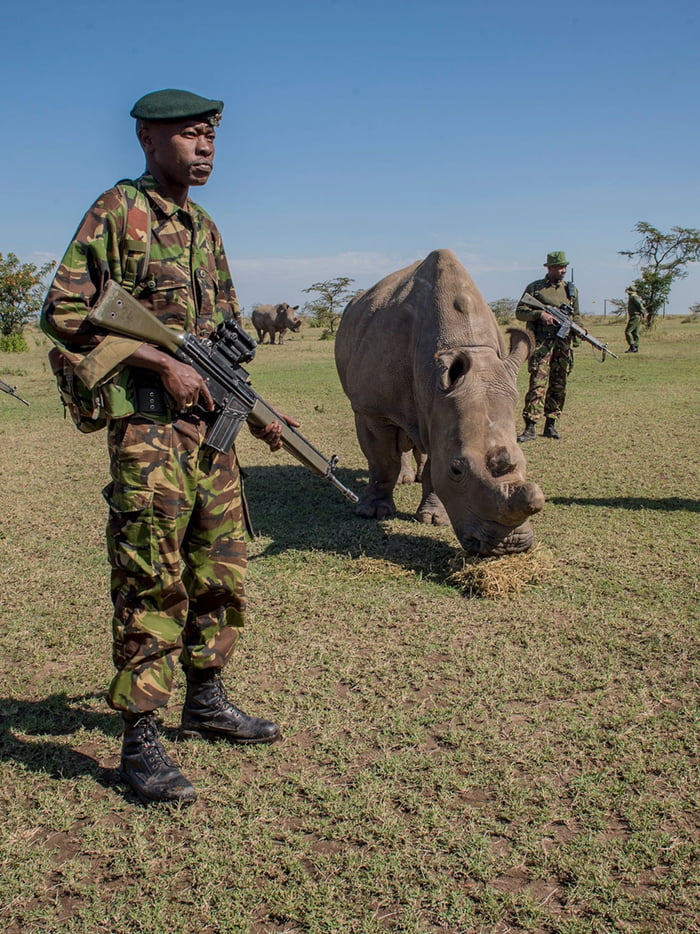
563, 317
217, 360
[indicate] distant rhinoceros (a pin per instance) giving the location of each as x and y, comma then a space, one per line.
425, 366
275, 319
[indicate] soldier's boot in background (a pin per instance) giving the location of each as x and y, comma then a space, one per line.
528, 433
209, 713
146, 766
550, 429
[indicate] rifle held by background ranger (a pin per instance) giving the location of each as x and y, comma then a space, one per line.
217, 360
11, 391
563, 316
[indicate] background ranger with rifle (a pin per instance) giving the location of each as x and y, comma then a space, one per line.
175, 536
552, 359
636, 316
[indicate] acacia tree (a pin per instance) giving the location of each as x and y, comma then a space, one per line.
333, 295
21, 295
662, 258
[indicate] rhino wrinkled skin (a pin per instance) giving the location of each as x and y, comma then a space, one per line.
275, 319
425, 366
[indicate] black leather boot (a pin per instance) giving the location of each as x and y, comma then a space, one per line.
528, 432
146, 766
550, 429
209, 713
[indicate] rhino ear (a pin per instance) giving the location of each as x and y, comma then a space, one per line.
453, 367
522, 343
295, 308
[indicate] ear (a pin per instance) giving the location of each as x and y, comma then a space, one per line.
145, 137
522, 343
453, 366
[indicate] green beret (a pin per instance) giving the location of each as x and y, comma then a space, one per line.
558, 258
172, 105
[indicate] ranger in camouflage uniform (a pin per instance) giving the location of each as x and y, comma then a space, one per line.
636, 315
552, 359
175, 535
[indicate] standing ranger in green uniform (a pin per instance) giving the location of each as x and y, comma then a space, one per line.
636, 315
175, 535
553, 357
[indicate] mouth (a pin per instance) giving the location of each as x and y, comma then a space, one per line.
515, 541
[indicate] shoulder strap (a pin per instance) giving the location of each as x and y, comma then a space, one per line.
135, 241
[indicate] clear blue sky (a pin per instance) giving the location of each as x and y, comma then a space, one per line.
359, 135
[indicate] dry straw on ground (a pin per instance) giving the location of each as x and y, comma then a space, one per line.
498, 576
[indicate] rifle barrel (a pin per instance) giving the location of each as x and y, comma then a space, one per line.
11, 391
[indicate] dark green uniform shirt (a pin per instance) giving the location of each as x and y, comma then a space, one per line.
635, 306
549, 294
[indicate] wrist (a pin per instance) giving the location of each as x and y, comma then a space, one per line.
150, 357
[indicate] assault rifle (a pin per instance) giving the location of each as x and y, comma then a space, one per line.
11, 391
563, 316
218, 360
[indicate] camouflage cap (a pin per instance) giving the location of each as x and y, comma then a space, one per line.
630, 288
557, 258
171, 105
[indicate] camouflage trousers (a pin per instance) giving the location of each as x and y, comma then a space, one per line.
549, 366
177, 552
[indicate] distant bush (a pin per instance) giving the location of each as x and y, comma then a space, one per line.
504, 309
13, 343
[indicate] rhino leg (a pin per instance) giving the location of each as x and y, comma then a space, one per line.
431, 511
380, 443
407, 474
412, 464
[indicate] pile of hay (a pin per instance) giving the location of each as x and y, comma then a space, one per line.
498, 576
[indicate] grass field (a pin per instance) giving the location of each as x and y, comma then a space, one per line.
449, 764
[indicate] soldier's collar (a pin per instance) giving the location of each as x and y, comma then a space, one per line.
149, 186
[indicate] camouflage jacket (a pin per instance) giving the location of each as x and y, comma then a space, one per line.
549, 294
187, 283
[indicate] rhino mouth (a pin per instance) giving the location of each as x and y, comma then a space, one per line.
498, 541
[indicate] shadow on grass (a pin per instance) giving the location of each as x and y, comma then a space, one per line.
55, 715
300, 511
666, 504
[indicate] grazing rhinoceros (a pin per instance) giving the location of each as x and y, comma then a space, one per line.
275, 319
425, 366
